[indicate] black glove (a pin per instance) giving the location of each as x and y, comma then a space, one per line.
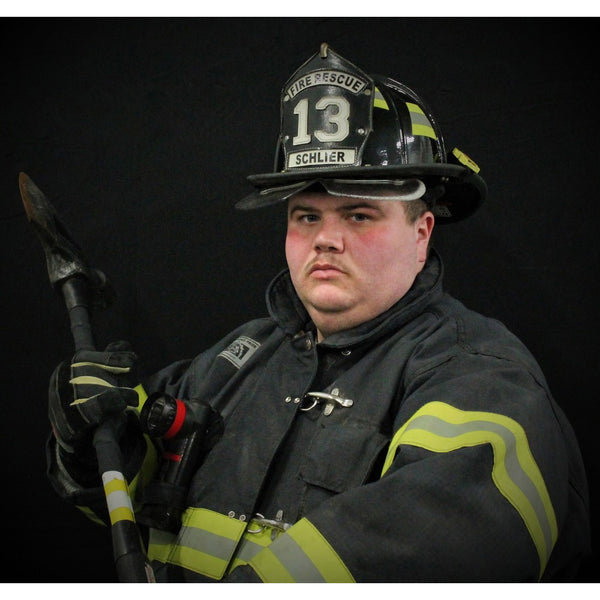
94, 387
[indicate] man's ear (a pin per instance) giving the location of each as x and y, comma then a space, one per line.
423, 230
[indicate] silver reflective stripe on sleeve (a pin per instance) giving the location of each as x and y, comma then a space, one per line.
205, 544
300, 555
439, 427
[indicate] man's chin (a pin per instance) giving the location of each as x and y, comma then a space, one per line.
329, 302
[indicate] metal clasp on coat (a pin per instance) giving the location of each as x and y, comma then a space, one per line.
276, 524
330, 400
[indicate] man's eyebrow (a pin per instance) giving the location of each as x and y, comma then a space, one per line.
359, 206
342, 208
303, 208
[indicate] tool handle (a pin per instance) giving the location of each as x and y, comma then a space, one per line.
75, 293
130, 559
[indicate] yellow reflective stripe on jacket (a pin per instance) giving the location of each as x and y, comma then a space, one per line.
160, 544
256, 538
205, 544
301, 555
142, 395
440, 427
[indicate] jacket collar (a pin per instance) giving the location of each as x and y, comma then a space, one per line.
285, 307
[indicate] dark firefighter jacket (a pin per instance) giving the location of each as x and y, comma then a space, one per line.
438, 454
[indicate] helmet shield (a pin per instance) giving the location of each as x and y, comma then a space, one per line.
365, 189
326, 114
339, 123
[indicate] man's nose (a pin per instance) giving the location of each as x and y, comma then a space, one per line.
330, 237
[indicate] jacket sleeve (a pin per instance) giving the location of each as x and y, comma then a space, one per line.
473, 488
78, 482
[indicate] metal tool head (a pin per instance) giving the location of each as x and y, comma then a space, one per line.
64, 258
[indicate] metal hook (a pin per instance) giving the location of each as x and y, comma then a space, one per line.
330, 400
277, 524
307, 408
257, 518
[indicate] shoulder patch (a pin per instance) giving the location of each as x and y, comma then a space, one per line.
238, 352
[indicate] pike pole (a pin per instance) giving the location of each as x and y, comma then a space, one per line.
83, 287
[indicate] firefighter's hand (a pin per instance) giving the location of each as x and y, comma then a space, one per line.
93, 388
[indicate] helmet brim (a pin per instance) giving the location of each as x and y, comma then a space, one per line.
464, 190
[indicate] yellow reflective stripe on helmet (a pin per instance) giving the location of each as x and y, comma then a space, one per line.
205, 544
379, 100
118, 501
301, 555
420, 123
440, 427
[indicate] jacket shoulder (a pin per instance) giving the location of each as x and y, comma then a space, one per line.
465, 331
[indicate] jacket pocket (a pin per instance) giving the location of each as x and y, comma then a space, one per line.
342, 456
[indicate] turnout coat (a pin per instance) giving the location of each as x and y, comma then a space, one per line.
423, 445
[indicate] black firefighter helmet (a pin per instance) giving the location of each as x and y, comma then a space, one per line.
347, 130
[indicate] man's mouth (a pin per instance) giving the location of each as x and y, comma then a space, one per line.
325, 270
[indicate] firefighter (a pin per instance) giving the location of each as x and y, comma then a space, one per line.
372, 428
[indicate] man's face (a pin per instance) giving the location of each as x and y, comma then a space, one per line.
352, 259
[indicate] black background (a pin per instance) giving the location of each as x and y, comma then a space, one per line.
141, 132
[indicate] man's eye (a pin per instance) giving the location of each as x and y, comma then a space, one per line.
309, 218
359, 217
